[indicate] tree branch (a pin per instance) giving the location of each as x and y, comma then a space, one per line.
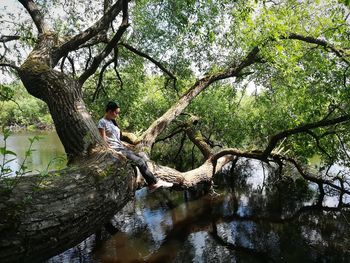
101, 38
196, 137
36, 15
5, 38
312, 178
182, 142
100, 78
74, 42
71, 61
232, 151
303, 128
172, 134
317, 139
148, 137
343, 146
118, 76
141, 54
338, 52
259, 155
88, 59
107, 50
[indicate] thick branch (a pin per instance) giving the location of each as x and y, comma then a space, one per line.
107, 50
70, 206
312, 178
36, 15
148, 137
157, 63
5, 38
303, 128
94, 30
196, 137
231, 151
259, 155
320, 42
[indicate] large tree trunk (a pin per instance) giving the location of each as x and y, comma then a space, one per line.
63, 96
43, 216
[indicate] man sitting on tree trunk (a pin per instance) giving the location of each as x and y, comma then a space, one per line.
111, 134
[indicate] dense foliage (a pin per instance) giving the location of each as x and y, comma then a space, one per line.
295, 82
19, 110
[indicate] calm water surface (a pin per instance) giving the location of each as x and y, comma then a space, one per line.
48, 152
255, 217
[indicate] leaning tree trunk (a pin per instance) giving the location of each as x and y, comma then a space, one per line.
62, 94
43, 216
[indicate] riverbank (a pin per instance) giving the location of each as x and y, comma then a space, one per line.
38, 126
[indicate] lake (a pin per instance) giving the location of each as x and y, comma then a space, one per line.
253, 215
47, 152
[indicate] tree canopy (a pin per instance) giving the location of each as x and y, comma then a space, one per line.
272, 66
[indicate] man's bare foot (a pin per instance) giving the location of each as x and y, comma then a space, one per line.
159, 184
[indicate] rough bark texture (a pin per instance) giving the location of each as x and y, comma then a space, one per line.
62, 94
45, 215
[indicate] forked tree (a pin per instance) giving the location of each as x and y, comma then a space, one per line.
56, 212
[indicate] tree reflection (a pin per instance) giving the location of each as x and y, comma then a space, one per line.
259, 216
273, 225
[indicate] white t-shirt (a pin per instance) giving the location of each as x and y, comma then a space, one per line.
112, 133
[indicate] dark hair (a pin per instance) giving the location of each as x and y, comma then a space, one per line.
112, 106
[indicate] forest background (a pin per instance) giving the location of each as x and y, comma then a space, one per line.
295, 83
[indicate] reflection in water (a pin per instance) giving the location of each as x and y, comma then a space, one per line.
258, 217
48, 152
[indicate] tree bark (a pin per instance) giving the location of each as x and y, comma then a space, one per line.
62, 94
43, 216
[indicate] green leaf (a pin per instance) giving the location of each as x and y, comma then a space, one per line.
11, 160
6, 132
35, 138
8, 152
29, 152
345, 2
4, 151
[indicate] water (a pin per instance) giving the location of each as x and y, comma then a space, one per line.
48, 152
255, 218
